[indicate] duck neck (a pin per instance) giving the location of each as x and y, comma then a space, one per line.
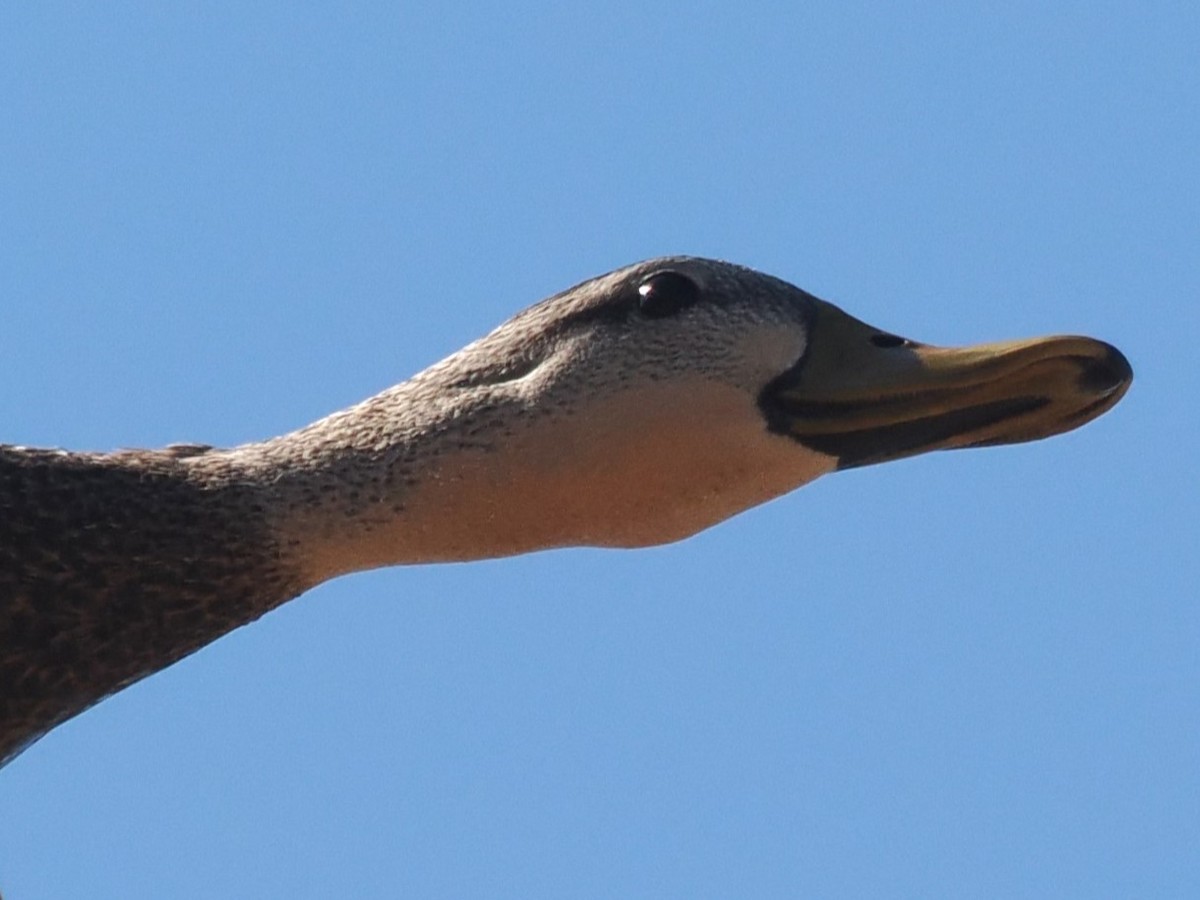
417, 474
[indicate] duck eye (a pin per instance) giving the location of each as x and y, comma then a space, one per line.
887, 341
666, 293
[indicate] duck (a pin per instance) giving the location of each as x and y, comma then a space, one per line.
636, 408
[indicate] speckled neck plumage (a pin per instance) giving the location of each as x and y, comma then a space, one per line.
113, 567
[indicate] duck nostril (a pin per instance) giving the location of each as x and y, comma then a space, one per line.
888, 341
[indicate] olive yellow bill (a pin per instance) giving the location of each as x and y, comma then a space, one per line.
865, 396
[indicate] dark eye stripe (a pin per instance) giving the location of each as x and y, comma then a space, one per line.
620, 304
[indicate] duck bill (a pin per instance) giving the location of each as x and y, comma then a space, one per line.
864, 396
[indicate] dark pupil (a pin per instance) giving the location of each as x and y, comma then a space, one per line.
666, 293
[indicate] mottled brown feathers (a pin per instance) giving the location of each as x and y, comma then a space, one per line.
113, 567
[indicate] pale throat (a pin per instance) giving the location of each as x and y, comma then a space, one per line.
634, 469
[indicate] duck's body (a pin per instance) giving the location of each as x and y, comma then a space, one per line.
634, 409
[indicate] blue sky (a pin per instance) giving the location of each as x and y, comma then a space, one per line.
967, 674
